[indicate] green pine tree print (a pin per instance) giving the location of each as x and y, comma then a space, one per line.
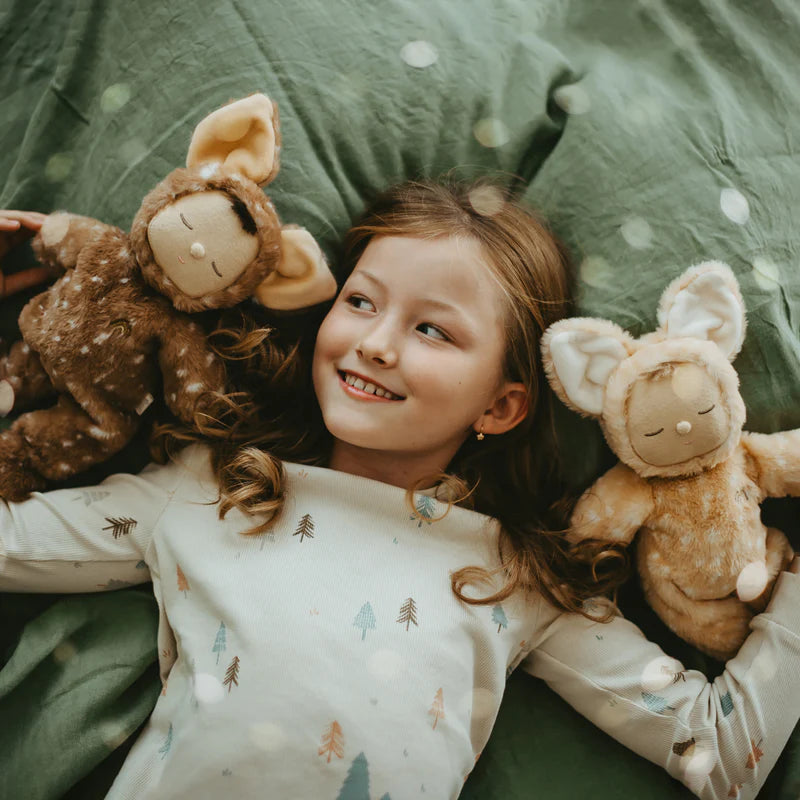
408, 613
305, 527
425, 506
499, 616
356, 784
167, 744
655, 703
120, 526
90, 496
727, 704
365, 619
219, 642
113, 583
232, 674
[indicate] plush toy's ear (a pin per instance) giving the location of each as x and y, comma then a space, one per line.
705, 303
303, 277
243, 137
579, 356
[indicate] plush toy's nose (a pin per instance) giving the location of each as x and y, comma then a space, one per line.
197, 250
683, 427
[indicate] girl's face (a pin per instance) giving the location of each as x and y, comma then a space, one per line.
410, 356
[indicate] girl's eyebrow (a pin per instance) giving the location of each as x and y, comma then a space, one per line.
424, 301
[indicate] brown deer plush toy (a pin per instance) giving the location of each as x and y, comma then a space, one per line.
690, 482
117, 326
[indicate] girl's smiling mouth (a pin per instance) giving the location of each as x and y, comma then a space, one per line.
363, 388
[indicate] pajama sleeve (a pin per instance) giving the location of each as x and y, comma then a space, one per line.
720, 738
85, 540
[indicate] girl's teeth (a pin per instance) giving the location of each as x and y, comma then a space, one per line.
370, 388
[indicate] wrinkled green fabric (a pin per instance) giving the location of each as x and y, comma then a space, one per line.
653, 134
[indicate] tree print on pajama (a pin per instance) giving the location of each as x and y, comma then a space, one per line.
408, 613
332, 742
365, 619
219, 641
305, 527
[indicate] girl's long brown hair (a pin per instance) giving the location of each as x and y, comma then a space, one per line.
514, 477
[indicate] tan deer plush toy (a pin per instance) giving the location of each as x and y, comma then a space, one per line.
690, 481
117, 326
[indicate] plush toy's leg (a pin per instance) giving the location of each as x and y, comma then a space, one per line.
779, 555
56, 443
23, 380
716, 627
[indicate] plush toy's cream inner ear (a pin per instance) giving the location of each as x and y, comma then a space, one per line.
583, 362
303, 277
239, 137
709, 308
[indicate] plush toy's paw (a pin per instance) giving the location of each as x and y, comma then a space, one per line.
6, 398
17, 478
752, 581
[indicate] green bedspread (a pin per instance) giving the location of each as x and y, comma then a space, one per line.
653, 133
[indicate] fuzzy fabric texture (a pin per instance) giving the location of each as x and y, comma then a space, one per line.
105, 343
706, 562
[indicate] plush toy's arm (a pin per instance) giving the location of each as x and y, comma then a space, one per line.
777, 460
62, 237
189, 367
612, 509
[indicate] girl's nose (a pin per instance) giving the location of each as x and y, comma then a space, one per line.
377, 347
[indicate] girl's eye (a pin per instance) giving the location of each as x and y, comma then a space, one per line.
359, 302
433, 331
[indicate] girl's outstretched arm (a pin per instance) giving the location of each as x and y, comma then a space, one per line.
720, 738
85, 540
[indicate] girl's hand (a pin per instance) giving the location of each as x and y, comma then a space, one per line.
15, 228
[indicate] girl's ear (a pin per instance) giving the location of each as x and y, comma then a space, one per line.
579, 355
243, 137
303, 277
705, 303
508, 410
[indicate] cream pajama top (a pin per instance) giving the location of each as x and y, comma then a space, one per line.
329, 658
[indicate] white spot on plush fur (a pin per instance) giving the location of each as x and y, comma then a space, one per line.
123, 253
181, 373
67, 443
56, 338
84, 349
124, 280
98, 433
208, 170
138, 359
25, 349
103, 261
100, 338
182, 352
64, 468
96, 279
77, 287
752, 581
210, 359
194, 387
